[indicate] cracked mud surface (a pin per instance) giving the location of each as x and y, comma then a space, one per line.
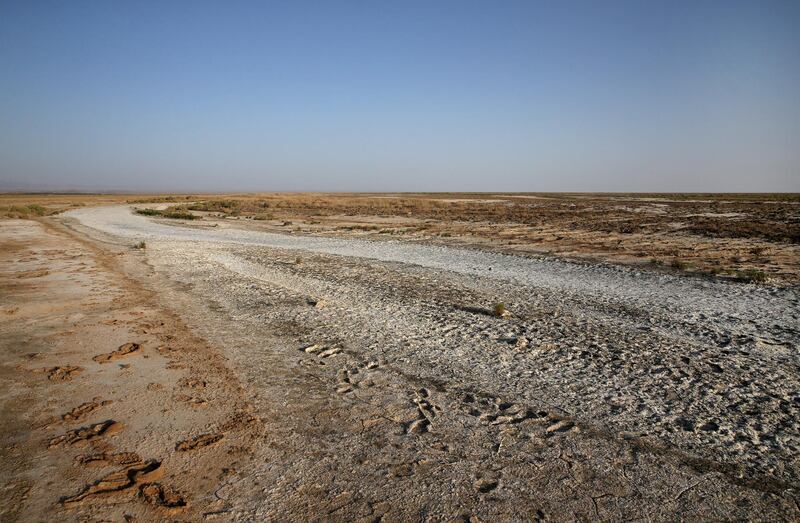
606, 393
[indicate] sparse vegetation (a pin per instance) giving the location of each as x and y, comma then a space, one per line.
679, 264
751, 276
140, 245
149, 212
180, 215
23, 211
500, 310
169, 213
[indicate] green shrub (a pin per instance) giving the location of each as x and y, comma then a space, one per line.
179, 215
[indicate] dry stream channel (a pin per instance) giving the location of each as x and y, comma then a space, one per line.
389, 390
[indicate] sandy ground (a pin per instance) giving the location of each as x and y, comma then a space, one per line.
111, 408
384, 389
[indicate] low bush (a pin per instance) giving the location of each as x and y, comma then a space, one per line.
679, 264
751, 276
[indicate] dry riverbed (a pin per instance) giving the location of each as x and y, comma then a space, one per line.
370, 380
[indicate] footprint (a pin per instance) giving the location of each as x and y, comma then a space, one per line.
85, 433
192, 400
327, 353
115, 482
39, 273
80, 412
122, 351
486, 485
161, 496
426, 412
426, 409
311, 349
109, 458
197, 442
496, 412
321, 350
317, 303
192, 383
62, 373
560, 426
419, 426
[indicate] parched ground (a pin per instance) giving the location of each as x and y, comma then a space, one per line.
111, 409
360, 376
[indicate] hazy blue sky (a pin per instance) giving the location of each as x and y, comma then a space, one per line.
401, 95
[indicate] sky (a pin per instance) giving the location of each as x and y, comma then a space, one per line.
400, 96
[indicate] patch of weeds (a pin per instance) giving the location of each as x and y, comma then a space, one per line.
174, 215
656, 262
155, 199
679, 264
360, 227
500, 310
140, 245
180, 215
149, 212
23, 211
751, 276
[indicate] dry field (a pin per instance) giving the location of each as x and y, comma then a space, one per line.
382, 357
741, 236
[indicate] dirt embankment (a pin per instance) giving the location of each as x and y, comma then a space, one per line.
111, 408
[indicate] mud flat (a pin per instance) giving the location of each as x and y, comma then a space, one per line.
384, 387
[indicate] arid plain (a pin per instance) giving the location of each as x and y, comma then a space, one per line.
395, 357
